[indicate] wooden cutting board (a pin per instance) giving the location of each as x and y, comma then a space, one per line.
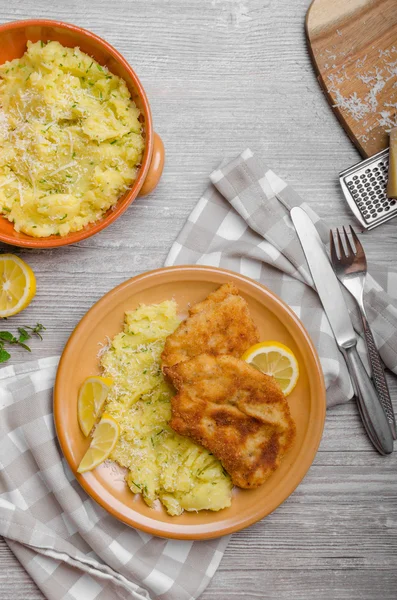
353, 44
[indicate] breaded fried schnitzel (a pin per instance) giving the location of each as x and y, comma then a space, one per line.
235, 411
221, 324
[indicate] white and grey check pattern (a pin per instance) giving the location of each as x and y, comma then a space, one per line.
71, 547
242, 223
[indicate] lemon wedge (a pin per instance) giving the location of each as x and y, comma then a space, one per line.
17, 285
103, 441
273, 358
92, 396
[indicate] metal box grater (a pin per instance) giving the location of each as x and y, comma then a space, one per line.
364, 187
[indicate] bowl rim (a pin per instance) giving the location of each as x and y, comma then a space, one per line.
121, 205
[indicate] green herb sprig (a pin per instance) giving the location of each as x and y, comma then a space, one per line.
24, 334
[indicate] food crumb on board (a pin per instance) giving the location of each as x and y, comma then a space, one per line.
365, 107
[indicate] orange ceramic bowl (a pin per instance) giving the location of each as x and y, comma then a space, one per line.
13, 39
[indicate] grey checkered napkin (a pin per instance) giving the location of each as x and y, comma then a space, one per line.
242, 223
71, 547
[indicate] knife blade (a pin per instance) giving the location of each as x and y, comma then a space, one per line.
330, 293
324, 279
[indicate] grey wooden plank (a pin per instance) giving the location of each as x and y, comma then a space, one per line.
301, 585
222, 75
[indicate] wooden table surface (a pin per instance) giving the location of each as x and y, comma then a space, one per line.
222, 75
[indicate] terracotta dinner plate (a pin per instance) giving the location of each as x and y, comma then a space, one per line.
187, 285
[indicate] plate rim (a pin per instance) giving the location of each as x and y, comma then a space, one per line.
301, 470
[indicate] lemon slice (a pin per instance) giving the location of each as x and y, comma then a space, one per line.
17, 285
273, 358
104, 440
92, 396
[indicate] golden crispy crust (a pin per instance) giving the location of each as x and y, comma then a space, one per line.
236, 412
221, 324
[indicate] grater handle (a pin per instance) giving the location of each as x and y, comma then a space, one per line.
379, 377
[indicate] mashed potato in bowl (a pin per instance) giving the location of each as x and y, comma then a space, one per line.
71, 140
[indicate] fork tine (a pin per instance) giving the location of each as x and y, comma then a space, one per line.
349, 247
357, 243
340, 244
334, 256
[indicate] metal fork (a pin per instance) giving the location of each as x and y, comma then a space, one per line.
351, 269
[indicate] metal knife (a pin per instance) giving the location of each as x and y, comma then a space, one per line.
328, 289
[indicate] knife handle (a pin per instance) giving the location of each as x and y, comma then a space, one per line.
379, 377
371, 410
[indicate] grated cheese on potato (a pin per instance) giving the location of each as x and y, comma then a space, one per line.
162, 465
70, 140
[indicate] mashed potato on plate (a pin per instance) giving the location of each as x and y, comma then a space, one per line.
70, 140
162, 465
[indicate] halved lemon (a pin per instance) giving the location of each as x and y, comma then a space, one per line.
103, 441
92, 396
273, 358
17, 285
